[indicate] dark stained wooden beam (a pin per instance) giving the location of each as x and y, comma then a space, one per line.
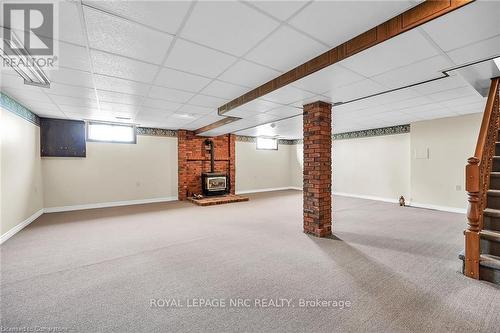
418, 15
218, 123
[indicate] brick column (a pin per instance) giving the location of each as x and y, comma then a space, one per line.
232, 164
182, 164
318, 169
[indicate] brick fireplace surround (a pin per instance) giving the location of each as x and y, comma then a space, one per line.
193, 159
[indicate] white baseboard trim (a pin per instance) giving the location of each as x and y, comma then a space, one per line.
437, 207
107, 204
295, 188
367, 197
20, 226
269, 189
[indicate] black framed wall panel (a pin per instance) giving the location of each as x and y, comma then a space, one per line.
62, 138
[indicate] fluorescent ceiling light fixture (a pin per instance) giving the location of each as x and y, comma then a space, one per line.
24, 64
497, 62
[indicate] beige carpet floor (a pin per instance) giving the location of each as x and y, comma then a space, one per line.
98, 270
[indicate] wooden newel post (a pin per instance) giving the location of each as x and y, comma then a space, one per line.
472, 185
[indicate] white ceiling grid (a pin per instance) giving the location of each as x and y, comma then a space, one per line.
171, 64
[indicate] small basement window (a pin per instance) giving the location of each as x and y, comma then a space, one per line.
110, 132
267, 143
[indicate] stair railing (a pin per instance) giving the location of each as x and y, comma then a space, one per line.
477, 179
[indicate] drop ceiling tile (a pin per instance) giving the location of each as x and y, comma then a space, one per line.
154, 113
116, 97
335, 22
246, 73
21, 95
195, 110
66, 100
120, 85
446, 95
71, 91
484, 49
281, 10
285, 49
208, 101
38, 106
71, 77
395, 96
448, 83
475, 107
181, 80
396, 52
421, 71
197, 59
170, 94
285, 111
115, 35
113, 65
82, 112
163, 15
51, 113
408, 103
469, 24
70, 28
224, 90
229, 26
287, 95
328, 79
161, 104
123, 109
458, 102
356, 90
73, 56
178, 120
203, 121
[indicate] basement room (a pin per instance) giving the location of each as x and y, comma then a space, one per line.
250, 166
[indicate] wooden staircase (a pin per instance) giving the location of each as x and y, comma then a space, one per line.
482, 236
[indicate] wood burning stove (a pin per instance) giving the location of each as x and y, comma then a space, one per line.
213, 183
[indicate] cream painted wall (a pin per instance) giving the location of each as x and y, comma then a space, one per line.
374, 166
113, 172
438, 178
21, 176
261, 169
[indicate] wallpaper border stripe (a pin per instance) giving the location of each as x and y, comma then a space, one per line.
11, 105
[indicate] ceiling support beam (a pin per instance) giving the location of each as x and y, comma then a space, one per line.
406, 21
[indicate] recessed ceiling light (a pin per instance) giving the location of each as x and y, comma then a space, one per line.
123, 118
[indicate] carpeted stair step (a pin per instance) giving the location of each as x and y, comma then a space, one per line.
491, 219
495, 180
490, 242
496, 164
494, 199
489, 267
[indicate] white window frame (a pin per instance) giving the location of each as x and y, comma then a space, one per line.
92, 122
265, 138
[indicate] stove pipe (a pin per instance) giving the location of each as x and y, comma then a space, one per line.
210, 143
